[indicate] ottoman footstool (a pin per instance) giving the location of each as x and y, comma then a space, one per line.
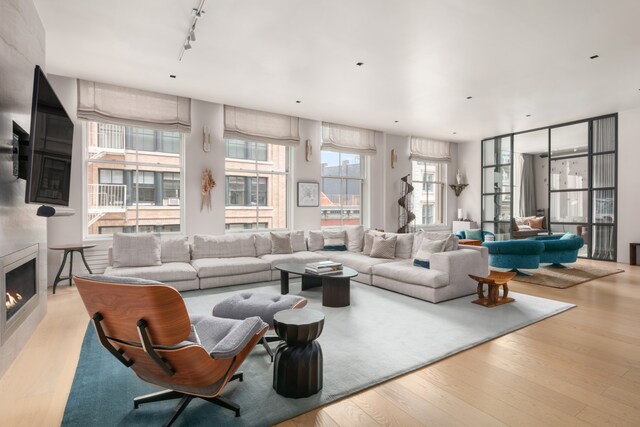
249, 304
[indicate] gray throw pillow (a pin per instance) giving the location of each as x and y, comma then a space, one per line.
316, 241
175, 249
298, 244
136, 250
384, 247
368, 241
281, 243
355, 238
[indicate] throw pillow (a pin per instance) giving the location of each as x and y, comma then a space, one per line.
281, 243
567, 236
355, 238
334, 240
368, 241
536, 222
473, 234
450, 243
298, 244
175, 249
428, 248
384, 247
263, 243
136, 250
316, 241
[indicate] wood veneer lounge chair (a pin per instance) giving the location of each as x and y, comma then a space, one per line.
145, 325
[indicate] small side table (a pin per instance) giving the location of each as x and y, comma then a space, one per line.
494, 280
632, 253
69, 249
297, 370
471, 242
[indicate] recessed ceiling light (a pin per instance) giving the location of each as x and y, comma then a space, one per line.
173, 76
455, 133
298, 102
359, 64
594, 57
528, 115
395, 121
469, 97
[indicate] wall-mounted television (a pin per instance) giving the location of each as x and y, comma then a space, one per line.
50, 146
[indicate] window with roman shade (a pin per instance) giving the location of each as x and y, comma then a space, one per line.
260, 126
429, 150
105, 103
347, 139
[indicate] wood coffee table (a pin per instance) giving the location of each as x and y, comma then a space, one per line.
336, 288
494, 280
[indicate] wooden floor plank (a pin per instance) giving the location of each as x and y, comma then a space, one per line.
386, 413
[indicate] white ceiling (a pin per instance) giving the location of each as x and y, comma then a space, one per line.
422, 58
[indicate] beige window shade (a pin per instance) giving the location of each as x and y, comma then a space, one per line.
430, 150
260, 126
133, 107
348, 139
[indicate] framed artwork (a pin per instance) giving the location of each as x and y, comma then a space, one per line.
308, 194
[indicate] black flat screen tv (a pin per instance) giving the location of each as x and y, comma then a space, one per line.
50, 146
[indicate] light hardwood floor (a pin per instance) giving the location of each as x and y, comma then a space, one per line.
581, 367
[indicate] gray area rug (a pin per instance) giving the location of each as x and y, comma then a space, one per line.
563, 278
380, 336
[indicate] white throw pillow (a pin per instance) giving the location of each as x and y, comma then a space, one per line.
428, 248
298, 244
355, 238
281, 243
136, 250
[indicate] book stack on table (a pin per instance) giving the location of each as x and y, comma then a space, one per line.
324, 267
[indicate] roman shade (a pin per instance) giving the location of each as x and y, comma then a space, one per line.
133, 107
429, 150
260, 126
348, 139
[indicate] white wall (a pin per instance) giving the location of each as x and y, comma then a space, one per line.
628, 191
469, 165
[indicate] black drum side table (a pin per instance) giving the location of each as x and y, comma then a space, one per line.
69, 249
297, 370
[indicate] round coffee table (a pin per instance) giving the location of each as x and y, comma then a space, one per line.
336, 288
297, 370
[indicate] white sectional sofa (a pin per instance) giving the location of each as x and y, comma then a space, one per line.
215, 261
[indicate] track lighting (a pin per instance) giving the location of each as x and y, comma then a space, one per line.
191, 34
187, 45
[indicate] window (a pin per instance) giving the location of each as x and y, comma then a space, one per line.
133, 179
256, 185
429, 181
341, 187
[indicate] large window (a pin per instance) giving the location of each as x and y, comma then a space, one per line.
133, 179
429, 182
256, 185
341, 188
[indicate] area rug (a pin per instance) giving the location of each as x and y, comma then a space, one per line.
563, 278
380, 336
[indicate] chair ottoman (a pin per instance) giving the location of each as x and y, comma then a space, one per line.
249, 304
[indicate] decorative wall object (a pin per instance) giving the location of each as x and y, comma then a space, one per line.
206, 139
206, 185
308, 150
457, 188
458, 177
308, 194
394, 158
406, 216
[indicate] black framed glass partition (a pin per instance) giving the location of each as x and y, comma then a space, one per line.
581, 182
496, 186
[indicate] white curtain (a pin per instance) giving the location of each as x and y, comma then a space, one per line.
133, 107
348, 139
260, 126
430, 150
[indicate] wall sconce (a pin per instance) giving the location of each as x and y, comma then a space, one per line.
308, 150
458, 186
394, 158
206, 139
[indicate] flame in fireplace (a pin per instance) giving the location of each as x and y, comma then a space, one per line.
12, 301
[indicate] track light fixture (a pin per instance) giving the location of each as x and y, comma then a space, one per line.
191, 34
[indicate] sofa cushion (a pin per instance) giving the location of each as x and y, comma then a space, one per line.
316, 241
359, 262
428, 248
214, 267
451, 245
384, 247
281, 243
263, 243
304, 257
368, 240
473, 234
404, 245
165, 273
298, 242
136, 250
175, 249
226, 246
405, 271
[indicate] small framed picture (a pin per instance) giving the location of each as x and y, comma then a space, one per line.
308, 194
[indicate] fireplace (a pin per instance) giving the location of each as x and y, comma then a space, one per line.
19, 284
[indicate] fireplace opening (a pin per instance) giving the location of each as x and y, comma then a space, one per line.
20, 287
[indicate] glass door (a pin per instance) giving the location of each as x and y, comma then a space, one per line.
497, 182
